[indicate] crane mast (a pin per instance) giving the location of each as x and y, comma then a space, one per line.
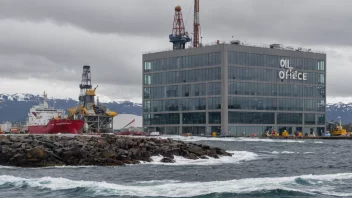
196, 24
179, 36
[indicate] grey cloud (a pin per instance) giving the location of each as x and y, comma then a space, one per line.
297, 21
54, 39
45, 51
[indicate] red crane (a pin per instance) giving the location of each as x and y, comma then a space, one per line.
196, 24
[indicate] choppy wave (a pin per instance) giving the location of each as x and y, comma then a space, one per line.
307, 184
238, 156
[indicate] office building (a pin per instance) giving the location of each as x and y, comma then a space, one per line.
234, 89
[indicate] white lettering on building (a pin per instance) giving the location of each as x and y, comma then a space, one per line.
290, 73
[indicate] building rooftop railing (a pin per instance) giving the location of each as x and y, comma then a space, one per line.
237, 42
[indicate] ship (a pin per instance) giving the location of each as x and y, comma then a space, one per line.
43, 119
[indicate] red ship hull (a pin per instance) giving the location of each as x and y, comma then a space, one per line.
58, 126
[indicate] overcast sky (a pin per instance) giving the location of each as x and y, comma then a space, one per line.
44, 44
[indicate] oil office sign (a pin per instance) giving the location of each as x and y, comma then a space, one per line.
289, 72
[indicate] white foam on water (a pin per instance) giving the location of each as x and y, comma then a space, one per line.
290, 152
318, 142
7, 167
196, 138
287, 152
237, 157
308, 153
188, 189
66, 167
154, 182
49, 167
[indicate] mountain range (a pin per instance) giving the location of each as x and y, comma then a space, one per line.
15, 107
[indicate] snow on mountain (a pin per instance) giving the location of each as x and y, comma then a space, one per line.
15, 107
341, 110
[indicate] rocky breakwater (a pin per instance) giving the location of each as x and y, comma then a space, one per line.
105, 150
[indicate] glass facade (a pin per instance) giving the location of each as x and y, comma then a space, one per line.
263, 91
179, 86
273, 61
284, 102
278, 89
182, 62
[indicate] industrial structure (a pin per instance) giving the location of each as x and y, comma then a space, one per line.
196, 24
179, 36
233, 88
97, 118
86, 84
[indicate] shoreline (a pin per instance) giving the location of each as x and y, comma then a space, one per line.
92, 150
169, 136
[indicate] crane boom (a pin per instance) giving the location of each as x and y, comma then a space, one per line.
196, 24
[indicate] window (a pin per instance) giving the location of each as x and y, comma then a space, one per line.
147, 66
193, 104
289, 118
214, 117
252, 103
290, 104
147, 106
161, 119
147, 79
147, 92
193, 118
251, 59
251, 118
309, 119
321, 119
172, 91
193, 90
321, 65
199, 60
214, 103
214, 88
171, 105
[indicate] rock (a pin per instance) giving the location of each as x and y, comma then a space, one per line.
105, 150
109, 154
192, 156
16, 145
167, 160
36, 153
48, 145
197, 150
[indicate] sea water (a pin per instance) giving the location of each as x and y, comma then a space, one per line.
258, 168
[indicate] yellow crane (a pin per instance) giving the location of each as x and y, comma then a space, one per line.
91, 108
79, 110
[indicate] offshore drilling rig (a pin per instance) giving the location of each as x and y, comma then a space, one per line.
179, 37
97, 118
